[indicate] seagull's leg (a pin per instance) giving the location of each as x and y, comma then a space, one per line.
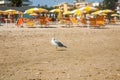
56, 47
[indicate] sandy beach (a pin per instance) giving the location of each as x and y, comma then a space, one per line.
91, 54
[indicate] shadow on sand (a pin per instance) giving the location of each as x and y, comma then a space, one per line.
100, 28
42, 27
61, 50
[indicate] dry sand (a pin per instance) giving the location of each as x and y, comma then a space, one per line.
92, 54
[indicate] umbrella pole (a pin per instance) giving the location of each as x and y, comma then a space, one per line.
0, 22
88, 23
6, 22
22, 20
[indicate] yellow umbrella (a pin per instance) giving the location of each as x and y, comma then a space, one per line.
88, 8
114, 15
88, 15
55, 10
31, 10
76, 12
43, 10
67, 13
1, 11
103, 14
107, 11
97, 12
10, 11
33, 14
19, 12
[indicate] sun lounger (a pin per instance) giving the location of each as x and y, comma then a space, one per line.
92, 22
43, 21
83, 22
30, 23
113, 20
74, 21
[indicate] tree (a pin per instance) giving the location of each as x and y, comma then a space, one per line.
116, 0
109, 4
46, 7
16, 3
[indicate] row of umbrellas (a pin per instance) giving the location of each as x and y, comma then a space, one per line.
31, 10
10, 11
86, 9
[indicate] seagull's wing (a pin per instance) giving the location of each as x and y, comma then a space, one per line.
60, 44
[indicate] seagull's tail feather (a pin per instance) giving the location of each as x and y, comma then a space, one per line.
65, 46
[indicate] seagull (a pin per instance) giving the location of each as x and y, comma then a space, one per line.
57, 43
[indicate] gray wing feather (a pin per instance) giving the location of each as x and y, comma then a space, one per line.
59, 44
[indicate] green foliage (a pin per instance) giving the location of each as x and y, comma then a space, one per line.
46, 7
109, 4
100, 7
16, 3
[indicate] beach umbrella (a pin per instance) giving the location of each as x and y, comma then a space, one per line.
100, 12
67, 13
33, 14
76, 12
97, 12
10, 11
88, 8
32, 10
103, 14
1, 11
88, 15
43, 10
107, 11
114, 15
19, 12
56, 10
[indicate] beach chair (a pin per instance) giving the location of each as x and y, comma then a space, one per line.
92, 22
113, 20
65, 23
43, 21
100, 21
73, 20
3, 20
83, 22
29, 22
